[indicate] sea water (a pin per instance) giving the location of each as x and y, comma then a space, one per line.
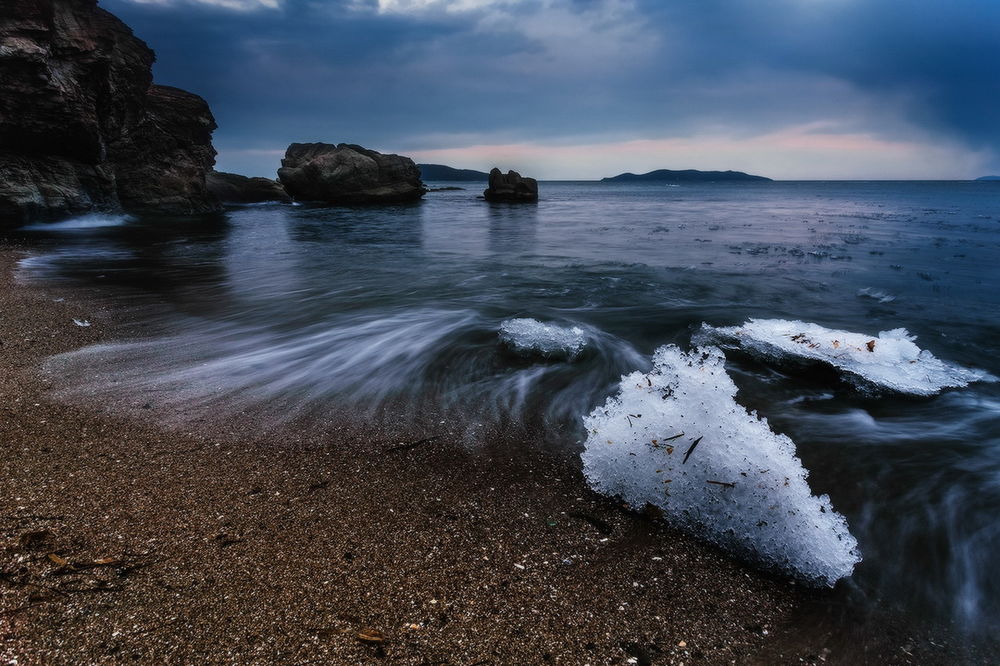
849, 334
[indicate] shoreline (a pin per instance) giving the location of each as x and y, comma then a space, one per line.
126, 541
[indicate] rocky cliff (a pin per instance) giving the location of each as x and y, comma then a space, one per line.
81, 125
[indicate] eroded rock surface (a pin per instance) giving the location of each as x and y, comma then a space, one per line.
511, 186
81, 125
348, 174
234, 188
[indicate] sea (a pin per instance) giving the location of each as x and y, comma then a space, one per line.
526, 318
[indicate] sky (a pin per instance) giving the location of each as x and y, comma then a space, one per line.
581, 89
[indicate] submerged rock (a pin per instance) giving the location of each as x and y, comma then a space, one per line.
234, 188
511, 187
348, 174
83, 128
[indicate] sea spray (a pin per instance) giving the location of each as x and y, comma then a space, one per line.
891, 360
406, 362
677, 439
88, 221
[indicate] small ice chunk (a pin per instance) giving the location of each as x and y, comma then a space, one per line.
876, 295
81, 322
890, 360
530, 337
677, 439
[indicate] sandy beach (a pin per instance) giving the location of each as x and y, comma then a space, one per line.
123, 541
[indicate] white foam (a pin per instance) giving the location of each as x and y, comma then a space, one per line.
677, 439
89, 221
531, 337
889, 360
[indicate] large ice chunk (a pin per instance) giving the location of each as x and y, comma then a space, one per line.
530, 337
677, 439
890, 360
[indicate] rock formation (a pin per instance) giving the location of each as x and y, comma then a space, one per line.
511, 187
234, 188
348, 174
81, 125
162, 167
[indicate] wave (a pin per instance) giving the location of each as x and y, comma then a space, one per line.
676, 438
89, 221
412, 361
889, 360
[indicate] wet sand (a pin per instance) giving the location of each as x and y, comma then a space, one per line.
123, 541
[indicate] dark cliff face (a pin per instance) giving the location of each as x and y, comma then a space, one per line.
163, 164
82, 129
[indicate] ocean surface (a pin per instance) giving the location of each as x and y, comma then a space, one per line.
308, 312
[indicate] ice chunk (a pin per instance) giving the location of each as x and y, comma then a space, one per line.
81, 322
677, 439
530, 337
890, 360
876, 295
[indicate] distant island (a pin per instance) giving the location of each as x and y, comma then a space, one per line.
989, 178
442, 172
684, 176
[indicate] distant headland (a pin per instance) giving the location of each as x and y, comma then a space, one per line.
684, 176
989, 178
442, 172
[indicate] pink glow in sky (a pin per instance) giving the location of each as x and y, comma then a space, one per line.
805, 152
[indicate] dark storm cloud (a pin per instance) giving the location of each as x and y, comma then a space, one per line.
423, 73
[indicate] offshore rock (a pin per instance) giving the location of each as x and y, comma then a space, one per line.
234, 188
348, 174
511, 187
81, 126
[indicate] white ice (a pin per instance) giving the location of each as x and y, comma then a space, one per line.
530, 337
876, 295
890, 360
676, 438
